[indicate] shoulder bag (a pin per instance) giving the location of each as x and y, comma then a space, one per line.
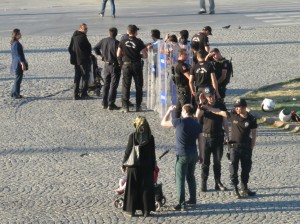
133, 159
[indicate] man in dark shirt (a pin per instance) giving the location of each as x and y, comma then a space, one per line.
202, 76
200, 40
107, 49
130, 51
80, 51
182, 75
221, 68
188, 131
213, 116
243, 125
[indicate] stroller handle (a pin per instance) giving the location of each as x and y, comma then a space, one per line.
165, 152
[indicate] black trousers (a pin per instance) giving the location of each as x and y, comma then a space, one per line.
213, 146
81, 71
132, 70
111, 75
244, 155
183, 97
222, 91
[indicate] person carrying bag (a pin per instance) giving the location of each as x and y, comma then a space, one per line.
139, 162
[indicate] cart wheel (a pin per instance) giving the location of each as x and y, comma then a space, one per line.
157, 206
119, 203
163, 200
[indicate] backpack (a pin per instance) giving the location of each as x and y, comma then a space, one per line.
229, 73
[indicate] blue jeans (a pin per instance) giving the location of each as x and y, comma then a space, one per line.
185, 169
15, 91
112, 5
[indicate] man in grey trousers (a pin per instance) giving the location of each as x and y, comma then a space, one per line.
211, 7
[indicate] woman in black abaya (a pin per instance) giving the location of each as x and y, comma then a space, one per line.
139, 192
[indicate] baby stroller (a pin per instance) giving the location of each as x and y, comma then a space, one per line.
160, 199
96, 81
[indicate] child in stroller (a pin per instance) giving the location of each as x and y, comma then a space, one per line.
160, 199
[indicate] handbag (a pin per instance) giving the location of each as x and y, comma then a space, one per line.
133, 159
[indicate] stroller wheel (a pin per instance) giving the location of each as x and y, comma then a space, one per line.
157, 206
163, 200
119, 203
97, 92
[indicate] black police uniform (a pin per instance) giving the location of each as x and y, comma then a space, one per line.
182, 86
199, 42
107, 49
202, 76
214, 135
241, 148
220, 65
132, 67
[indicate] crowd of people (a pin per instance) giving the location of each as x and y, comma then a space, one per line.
200, 115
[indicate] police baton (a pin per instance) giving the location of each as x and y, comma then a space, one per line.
228, 151
162, 155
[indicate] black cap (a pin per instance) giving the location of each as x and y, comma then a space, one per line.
132, 28
208, 91
240, 103
208, 28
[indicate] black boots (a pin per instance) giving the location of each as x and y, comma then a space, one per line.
236, 192
203, 186
245, 191
220, 187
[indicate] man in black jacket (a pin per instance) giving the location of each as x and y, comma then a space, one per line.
80, 51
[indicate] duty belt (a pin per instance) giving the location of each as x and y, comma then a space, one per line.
214, 135
110, 63
131, 62
182, 89
237, 145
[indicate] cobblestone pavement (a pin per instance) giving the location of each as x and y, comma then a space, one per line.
60, 159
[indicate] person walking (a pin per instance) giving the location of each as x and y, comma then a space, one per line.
139, 191
113, 8
213, 116
107, 49
19, 63
242, 142
188, 131
130, 52
80, 51
211, 7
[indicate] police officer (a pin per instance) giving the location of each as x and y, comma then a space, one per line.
202, 75
182, 75
130, 51
213, 117
221, 68
107, 49
243, 126
200, 40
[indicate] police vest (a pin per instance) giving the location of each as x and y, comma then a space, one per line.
180, 80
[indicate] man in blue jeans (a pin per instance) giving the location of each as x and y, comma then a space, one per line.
188, 131
112, 5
